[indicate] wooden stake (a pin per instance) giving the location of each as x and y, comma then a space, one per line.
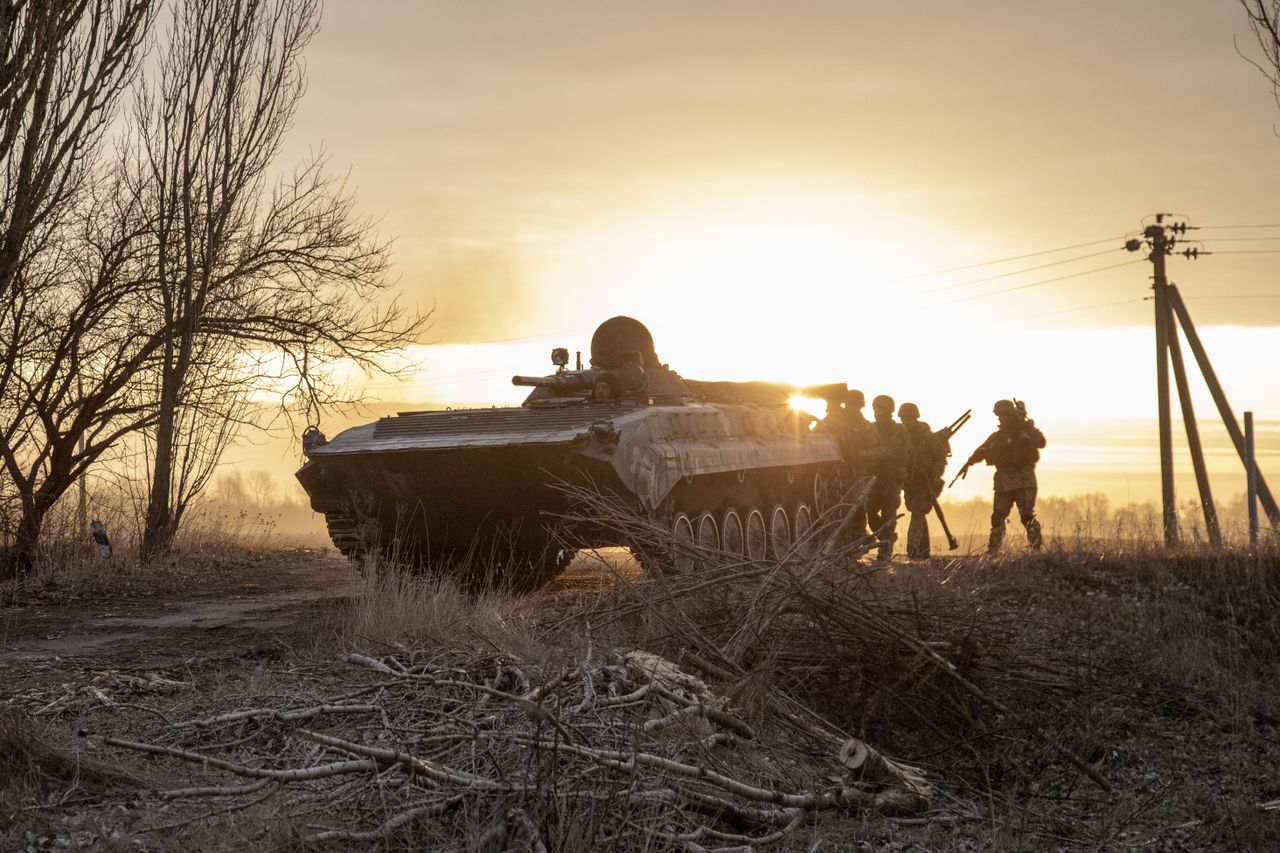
1211, 525
1220, 399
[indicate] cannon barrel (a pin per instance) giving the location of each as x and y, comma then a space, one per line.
830, 391
563, 381
533, 381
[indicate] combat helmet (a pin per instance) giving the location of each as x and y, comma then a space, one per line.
1005, 408
855, 399
909, 412
882, 403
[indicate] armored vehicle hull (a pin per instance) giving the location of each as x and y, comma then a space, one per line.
478, 491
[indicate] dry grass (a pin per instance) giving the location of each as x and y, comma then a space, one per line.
1010, 680
393, 607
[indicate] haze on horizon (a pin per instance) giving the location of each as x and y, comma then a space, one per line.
768, 185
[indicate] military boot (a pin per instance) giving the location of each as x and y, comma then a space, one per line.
1035, 539
997, 536
918, 536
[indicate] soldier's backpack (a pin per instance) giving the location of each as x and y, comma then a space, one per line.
1023, 451
941, 453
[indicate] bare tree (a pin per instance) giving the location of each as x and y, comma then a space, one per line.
215, 405
63, 310
1264, 20
250, 273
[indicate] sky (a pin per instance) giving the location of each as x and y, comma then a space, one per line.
773, 188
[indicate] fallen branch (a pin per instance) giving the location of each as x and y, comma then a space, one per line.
439, 773
386, 829
299, 774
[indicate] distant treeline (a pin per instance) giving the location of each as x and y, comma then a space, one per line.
1092, 518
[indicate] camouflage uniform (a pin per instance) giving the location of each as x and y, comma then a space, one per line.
923, 483
888, 462
1014, 450
856, 438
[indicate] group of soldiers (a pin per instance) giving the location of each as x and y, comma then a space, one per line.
907, 458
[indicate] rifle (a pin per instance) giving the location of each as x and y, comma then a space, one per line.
946, 432
960, 476
952, 542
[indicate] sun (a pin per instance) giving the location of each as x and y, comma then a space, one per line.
809, 405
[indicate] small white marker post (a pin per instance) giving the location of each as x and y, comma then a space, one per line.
1251, 467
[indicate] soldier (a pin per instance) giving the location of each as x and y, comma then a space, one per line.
1014, 450
926, 460
888, 462
856, 438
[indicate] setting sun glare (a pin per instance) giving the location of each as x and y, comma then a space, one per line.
809, 405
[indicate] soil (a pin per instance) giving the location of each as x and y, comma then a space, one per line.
1193, 759
229, 609
234, 608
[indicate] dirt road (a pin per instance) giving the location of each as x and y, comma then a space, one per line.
228, 609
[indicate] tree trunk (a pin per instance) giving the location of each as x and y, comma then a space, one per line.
21, 558
159, 529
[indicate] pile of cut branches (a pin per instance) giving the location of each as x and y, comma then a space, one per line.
617, 751
817, 634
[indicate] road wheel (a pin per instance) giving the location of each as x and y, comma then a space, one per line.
708, 532
682, 529
779, 532
802, 523
826, 491
733, 538
756, 535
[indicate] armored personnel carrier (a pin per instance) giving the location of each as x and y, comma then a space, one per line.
730, 465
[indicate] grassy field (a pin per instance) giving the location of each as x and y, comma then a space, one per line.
1098, 696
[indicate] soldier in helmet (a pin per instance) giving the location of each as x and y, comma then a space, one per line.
856, 438
926, 460
888, 462
1014, 449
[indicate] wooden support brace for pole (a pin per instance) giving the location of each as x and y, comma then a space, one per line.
1220, 399
1168, 500
1211, 526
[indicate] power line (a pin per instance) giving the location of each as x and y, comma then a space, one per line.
1208, 227
1238, 296
1099, 305
1046, 281
1233, 240
964, 267
1247, 252
1024, 270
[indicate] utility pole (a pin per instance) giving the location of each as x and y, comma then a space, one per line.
1160, 246
1172, 314
1251, 460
